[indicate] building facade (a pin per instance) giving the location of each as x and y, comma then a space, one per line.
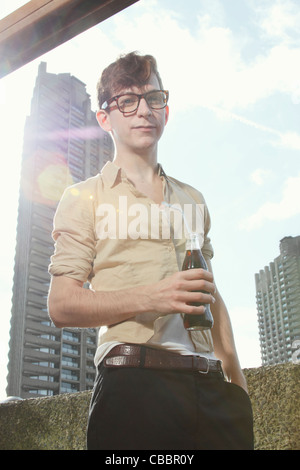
63, 144
278, 304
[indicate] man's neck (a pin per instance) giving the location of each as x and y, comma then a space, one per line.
143, 174
137, 166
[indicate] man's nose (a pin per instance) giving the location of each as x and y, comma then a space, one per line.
143, 108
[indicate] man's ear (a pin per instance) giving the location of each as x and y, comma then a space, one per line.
103, 120
167, 110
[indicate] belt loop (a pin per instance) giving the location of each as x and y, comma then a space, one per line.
207, 367
142, 356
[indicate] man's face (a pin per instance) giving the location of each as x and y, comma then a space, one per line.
141, 130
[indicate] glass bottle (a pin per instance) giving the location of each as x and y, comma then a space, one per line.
195, 259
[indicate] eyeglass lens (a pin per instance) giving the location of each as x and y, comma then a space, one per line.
129, 103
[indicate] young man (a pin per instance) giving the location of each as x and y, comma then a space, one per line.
159, 386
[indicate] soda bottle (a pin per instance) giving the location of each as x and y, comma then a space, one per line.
195, 259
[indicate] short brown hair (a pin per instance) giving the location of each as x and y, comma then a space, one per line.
128, 70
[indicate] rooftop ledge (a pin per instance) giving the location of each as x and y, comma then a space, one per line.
59, 422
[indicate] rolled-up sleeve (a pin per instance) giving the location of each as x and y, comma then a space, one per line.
74, 236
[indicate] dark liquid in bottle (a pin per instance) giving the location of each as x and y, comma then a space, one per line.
194, 259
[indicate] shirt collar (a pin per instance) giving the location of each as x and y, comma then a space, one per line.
113, 174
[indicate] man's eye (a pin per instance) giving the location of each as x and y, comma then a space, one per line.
155, 98
127, 100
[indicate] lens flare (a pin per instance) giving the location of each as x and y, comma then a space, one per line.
45, 175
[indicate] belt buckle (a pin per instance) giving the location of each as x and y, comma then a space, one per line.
207, 368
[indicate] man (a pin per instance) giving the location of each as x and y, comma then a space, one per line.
159, 386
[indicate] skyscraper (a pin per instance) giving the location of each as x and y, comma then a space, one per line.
63, 144
278, 304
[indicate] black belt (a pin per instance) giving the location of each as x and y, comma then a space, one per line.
129, 355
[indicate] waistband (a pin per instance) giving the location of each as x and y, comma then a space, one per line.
132, 355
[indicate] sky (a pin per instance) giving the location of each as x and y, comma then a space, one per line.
232, 68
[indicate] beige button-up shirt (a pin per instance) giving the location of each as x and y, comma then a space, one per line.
108, 233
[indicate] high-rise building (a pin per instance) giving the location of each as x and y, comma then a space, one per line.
278, 304
63, 144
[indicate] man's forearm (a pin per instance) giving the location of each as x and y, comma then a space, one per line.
70, 305
224, 343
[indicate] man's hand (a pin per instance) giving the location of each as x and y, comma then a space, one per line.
178, 292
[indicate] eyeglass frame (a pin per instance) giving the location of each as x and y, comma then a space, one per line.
140, 96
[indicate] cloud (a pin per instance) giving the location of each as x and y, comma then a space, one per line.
203, 66
207, 70
289, 140
208, 67
259, 176
209, 59
280, 19
288, 207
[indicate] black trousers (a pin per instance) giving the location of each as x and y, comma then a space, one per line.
146, 409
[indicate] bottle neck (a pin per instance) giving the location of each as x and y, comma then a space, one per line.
192, 242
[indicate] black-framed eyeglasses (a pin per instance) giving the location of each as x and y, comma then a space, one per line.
129, 102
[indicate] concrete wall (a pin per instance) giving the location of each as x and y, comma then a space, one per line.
59, 423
